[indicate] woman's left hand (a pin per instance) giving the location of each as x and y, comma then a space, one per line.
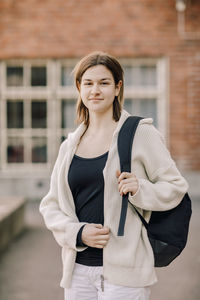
127, 182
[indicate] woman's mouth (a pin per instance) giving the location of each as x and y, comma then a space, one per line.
96, 99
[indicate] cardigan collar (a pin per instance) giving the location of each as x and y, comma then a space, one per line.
74, 137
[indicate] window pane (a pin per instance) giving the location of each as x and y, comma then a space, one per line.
14, 76
39, 150
148, 108
142, 107
38, 76
132, 106
67, 77
148, 76
128, 76
140, 75
39, 114
68, 113
15, 150
15, 114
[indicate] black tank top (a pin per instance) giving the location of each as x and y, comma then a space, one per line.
87, 185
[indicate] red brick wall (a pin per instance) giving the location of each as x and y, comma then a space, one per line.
125, 28
32, 28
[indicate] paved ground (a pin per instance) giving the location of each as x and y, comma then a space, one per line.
30, 269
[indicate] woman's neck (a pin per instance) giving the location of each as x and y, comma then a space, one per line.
101, 123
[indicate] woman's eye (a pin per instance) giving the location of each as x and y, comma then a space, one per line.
102, 83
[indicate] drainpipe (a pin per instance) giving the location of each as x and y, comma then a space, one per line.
181, 8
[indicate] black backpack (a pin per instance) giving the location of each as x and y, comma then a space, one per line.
167, 230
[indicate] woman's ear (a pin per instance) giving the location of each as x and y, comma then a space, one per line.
118, 86
78, 85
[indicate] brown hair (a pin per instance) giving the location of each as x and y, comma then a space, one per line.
94, 59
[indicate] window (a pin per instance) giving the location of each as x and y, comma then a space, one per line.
38, 76
14, 76
38, 104
24, 103
38, 114
142, 107
141, 89
145, 89
26, 138
15, 150
68, 115
15, 114
67, 76
140, 75
39, 150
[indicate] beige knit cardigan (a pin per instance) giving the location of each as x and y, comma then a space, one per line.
127, 260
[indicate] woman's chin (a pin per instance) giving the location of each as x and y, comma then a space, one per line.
99, 108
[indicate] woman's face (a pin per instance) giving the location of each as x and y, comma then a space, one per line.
98, 89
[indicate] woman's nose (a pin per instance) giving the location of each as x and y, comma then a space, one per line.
95, 89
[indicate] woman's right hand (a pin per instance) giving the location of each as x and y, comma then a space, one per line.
95, 235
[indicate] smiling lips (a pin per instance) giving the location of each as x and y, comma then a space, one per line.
96, 99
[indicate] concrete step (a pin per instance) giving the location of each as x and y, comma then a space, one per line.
11, 219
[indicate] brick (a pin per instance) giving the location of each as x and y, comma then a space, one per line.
124, 28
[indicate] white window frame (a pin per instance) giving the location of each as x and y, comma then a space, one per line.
158, 92
54, 93
64, 93
26, 93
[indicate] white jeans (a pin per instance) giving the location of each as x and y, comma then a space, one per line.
89, 284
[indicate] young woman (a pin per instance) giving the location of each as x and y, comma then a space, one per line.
83, 205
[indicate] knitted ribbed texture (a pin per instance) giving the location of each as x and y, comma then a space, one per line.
128, 260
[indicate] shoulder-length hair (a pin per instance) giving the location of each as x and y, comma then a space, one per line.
111, 63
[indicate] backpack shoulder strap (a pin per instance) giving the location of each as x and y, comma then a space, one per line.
125, 141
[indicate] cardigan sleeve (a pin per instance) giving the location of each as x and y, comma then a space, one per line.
164, 187
79, 241
64, 227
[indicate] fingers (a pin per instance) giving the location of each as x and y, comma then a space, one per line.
127, 182
101, 244
102, 241
128, 188
95, 235
125, 175
104, 237
118, 173
98, 226
104, 230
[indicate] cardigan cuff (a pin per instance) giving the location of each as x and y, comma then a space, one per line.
79, 242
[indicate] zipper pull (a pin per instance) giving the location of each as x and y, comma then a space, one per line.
102, 283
